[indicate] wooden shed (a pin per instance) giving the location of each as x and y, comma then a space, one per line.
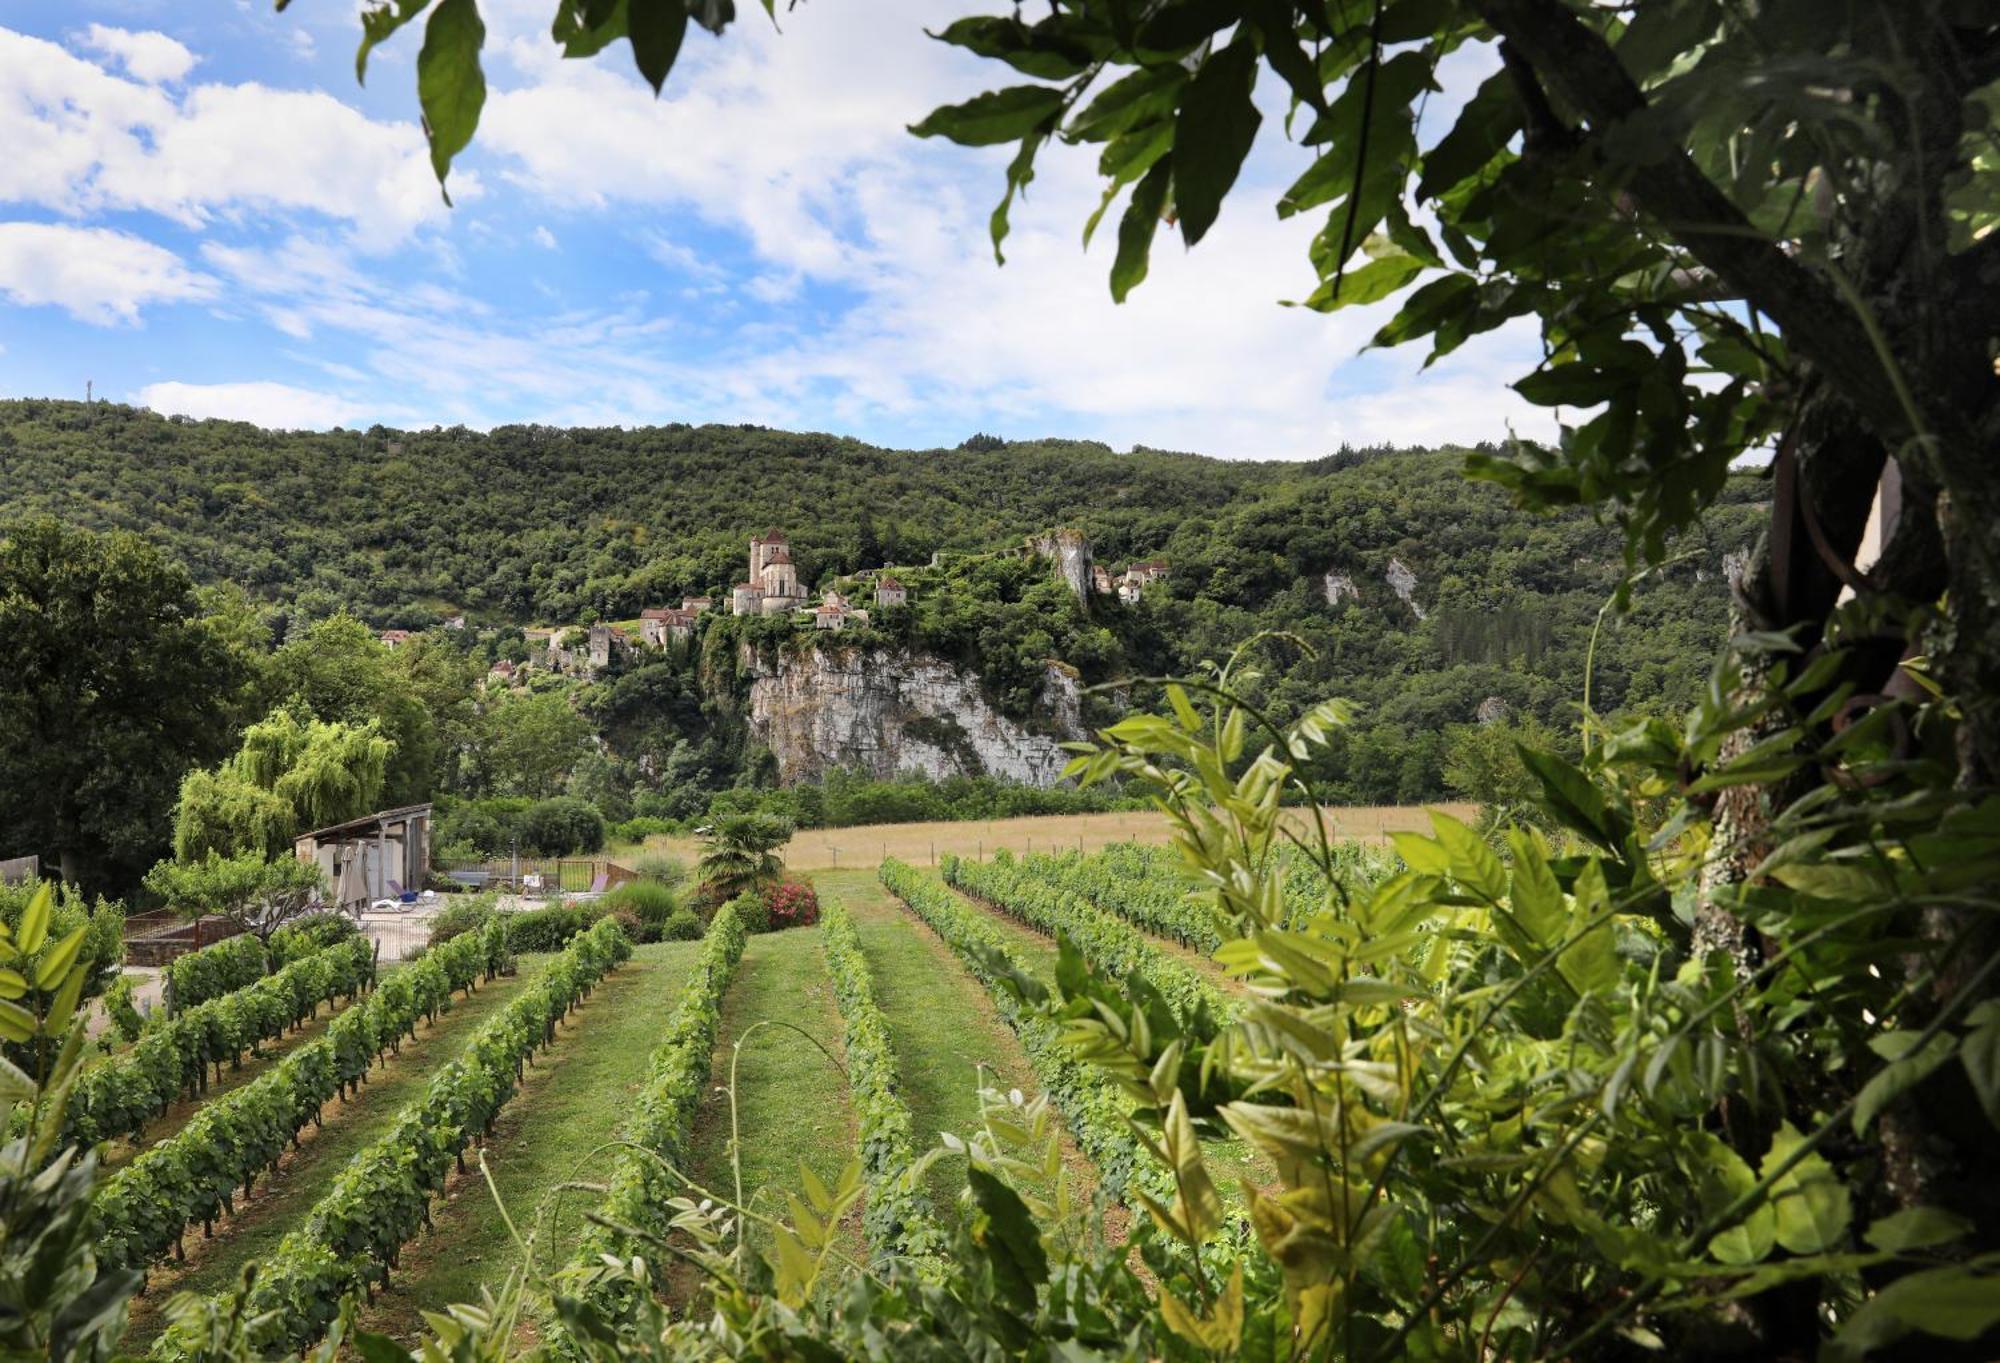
378, 856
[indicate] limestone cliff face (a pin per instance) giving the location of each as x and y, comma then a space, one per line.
893, 711
1069, 551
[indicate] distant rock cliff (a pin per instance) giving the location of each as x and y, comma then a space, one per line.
1069, 551
892, 711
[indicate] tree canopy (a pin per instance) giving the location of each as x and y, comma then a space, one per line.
292, 774
114, 683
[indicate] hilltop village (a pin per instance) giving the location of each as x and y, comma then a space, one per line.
772, 588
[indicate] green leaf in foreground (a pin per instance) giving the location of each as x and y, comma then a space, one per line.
450, 84
994, 117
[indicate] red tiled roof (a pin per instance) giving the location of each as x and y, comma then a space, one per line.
656, 613
890, 583
778, 555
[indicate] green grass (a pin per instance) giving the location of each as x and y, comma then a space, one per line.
792, 1105
941, 1022
281, 1199
571, 1104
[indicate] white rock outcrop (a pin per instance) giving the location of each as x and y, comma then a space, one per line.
1069, 551
1339, 587
892, 711
1735, 563
1403, 583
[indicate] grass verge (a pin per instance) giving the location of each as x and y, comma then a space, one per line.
791, 1100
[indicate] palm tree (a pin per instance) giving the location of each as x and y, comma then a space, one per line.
741, 853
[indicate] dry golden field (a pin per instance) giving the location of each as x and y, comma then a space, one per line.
819, 849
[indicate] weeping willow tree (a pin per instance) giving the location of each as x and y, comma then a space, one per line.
293, 772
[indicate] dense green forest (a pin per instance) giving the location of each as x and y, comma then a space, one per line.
531, 525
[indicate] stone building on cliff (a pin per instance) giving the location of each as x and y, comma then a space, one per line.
773, 587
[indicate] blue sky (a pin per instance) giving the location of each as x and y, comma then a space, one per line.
201, 211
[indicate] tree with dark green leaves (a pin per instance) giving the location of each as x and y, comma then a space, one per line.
1737, 227
531, 742
341, 673
113, 683
740, 854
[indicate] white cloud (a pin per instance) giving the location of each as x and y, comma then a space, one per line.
93, 273
798, 142
776, 171
83, 141
276, 405
151, 57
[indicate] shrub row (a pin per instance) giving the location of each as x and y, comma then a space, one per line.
304, 936
898, 1218
146, 1207
1108, 944
1093, 1108
1143, 885
640, 1185
213, 971
120, 1094
352, 1238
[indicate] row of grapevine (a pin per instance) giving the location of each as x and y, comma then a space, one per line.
120, 1094
1143, 885
144, 1209
353, 1237
229, 965
1108, 944
1357, 869
676, 1082
898, 1217
1093, 1109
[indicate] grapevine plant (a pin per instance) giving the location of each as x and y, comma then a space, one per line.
898, 1217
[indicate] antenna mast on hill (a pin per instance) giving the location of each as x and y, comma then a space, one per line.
89, 390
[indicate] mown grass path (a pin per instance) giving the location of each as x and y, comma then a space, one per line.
791, 1102
941, 1022
573, 1101
302, 1176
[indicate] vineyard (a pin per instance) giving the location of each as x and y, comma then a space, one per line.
330, 1125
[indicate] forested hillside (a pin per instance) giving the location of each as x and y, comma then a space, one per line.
1420, 595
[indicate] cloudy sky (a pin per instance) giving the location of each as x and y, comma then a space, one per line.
202, 212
